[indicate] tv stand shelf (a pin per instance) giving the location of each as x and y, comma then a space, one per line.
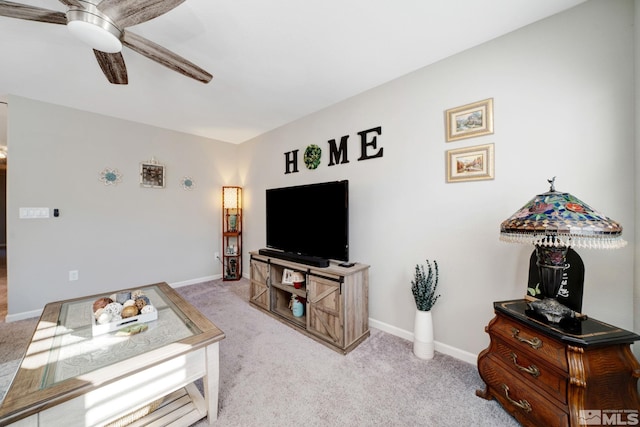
336, 299
290, 289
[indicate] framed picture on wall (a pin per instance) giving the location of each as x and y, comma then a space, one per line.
152, 174
470, 163
469, 120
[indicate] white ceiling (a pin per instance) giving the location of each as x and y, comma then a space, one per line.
272, 61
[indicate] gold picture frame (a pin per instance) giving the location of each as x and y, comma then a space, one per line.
469, 120
470, 163
152, 174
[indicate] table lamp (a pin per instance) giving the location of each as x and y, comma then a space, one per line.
553, 222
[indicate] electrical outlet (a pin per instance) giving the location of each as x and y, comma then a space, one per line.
73, 275
217, 255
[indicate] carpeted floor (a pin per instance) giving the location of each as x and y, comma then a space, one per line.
271, 375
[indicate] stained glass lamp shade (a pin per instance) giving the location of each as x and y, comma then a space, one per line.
553, 222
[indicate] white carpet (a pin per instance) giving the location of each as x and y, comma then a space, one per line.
271, 375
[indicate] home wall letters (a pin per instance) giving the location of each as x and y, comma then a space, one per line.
338, 152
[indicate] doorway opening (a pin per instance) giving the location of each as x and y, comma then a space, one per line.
3, 209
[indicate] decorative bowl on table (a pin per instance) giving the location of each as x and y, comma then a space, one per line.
122, 309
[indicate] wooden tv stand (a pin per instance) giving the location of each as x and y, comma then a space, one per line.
336, 309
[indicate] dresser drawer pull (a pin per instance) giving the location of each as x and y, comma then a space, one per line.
532, 369
522, 404
534, 342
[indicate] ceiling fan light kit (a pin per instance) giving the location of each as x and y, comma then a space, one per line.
94, 29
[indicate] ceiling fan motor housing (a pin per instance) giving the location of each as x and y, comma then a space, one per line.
94, 28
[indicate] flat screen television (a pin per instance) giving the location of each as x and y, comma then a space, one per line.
310, 220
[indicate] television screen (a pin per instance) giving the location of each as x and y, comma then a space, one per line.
310, 220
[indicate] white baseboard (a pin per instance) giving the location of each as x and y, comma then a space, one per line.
391, 329
465, 356
21, 316
36, 313
195, 281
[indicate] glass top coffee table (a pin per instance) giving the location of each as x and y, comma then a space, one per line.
68, 377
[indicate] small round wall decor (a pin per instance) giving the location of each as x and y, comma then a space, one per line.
312, 156
187, 183
110, 176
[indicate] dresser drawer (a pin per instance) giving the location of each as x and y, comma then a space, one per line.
533, 370
522, 401
528, 340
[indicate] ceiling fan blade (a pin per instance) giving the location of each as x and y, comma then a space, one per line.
72, 3
31, 13
165, 57
126, 13
112, 65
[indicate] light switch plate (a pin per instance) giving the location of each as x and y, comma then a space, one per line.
31, 213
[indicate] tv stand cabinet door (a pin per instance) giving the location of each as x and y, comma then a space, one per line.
324, 310
259, 289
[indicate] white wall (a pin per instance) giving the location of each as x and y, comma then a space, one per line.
115, 236
3, 122
563, 106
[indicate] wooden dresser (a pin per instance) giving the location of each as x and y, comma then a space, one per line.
545, 375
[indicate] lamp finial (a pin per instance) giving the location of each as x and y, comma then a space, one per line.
552, 182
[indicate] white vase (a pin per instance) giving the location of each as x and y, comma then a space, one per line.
423, 345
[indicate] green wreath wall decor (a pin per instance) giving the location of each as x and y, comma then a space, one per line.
312, 156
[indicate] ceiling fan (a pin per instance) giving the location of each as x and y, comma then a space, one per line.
101, 24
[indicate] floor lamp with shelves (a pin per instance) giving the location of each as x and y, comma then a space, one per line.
231, 233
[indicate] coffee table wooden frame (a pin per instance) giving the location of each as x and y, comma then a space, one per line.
102, 396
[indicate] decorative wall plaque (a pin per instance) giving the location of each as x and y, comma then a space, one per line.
152, 174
